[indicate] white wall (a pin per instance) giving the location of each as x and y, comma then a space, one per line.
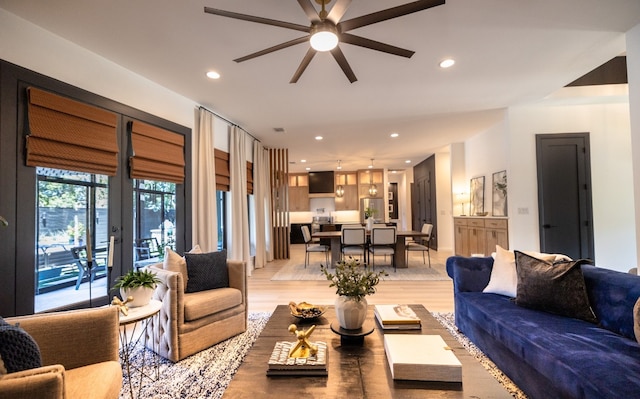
633, 69
444, 202
34, 48
611, 175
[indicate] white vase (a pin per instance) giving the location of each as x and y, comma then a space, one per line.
370, 223
351, 313
141, 296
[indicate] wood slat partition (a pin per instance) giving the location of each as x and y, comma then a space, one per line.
279, 159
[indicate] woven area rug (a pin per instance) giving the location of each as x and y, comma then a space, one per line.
208, 373
297, 272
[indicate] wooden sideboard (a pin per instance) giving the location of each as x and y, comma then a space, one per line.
479, 235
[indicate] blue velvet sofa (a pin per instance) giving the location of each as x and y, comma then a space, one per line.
551, 356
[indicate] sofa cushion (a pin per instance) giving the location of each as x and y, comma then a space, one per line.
207, 271
504, 276
636, 320
86, 381
18, 350
553, 287
204, 303
176, 263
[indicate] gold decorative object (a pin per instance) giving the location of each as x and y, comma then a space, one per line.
122, 305
303, 347
304, 310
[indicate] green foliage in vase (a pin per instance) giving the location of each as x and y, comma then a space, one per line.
352, 279
137, 278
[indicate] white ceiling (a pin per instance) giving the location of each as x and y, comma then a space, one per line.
507, 52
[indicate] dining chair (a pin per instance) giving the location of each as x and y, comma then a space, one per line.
310, 246
383, 242
422, 244
353, 241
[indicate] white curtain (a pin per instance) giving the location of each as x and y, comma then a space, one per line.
262, 199
238, 238
205, 220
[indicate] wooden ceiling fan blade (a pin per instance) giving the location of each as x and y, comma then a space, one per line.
389, 13
303, 65
375, 45
338, 10
310, 10
280, 46
260, 20
342, 61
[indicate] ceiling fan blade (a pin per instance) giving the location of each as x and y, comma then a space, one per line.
375, 45
389, 13
260, 20
310, 10
303, 65
338, 10
280, 46
342, 61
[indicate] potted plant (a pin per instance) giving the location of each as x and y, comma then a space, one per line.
353, 283
138, 284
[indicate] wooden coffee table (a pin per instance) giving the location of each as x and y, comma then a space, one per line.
354, 371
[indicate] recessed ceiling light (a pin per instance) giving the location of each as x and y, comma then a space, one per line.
407, 161
307, 168
447, 63
213, 75
394, 171
394, 135
319, 138
303, 160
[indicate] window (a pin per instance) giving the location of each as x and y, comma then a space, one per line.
221, 212
69, 202
154, 209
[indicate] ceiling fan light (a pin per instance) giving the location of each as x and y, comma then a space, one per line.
324, 37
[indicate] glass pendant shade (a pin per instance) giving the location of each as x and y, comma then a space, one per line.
340, 191
373, 190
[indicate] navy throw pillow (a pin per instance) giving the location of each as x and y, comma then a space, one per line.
206, 271
553, 287
18, 350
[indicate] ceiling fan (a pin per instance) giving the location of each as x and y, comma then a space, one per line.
327, 31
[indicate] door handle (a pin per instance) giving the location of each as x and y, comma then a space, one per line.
548, 226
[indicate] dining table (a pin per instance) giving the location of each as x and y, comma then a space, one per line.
399, 252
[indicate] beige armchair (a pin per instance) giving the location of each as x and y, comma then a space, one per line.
191, 322
79, 355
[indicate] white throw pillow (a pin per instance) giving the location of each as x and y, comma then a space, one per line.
504, 278
176, 263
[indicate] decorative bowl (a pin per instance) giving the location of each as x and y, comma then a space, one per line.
306, 311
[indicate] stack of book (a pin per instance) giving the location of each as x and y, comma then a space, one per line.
281, 364
397, 317
421, 358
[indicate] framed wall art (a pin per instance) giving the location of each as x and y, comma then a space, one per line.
476, 204
499, 193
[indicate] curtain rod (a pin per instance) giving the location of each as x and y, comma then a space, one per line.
231, 123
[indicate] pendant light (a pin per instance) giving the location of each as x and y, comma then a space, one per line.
373, 190
339, 188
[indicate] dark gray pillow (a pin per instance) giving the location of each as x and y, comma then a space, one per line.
553, 287
18, 350
207, 271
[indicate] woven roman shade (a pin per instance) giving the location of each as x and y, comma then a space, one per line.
67, 134
223, 175
156, 154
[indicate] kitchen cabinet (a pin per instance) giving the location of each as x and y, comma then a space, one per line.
298, 192
480, 235
368, 177
349, 183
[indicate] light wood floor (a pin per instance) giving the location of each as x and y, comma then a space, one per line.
264, 294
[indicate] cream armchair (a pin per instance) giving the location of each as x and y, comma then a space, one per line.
191, 322
79, 355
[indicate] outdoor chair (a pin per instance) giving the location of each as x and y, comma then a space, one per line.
99, 263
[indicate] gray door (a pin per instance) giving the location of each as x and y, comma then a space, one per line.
564, 194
